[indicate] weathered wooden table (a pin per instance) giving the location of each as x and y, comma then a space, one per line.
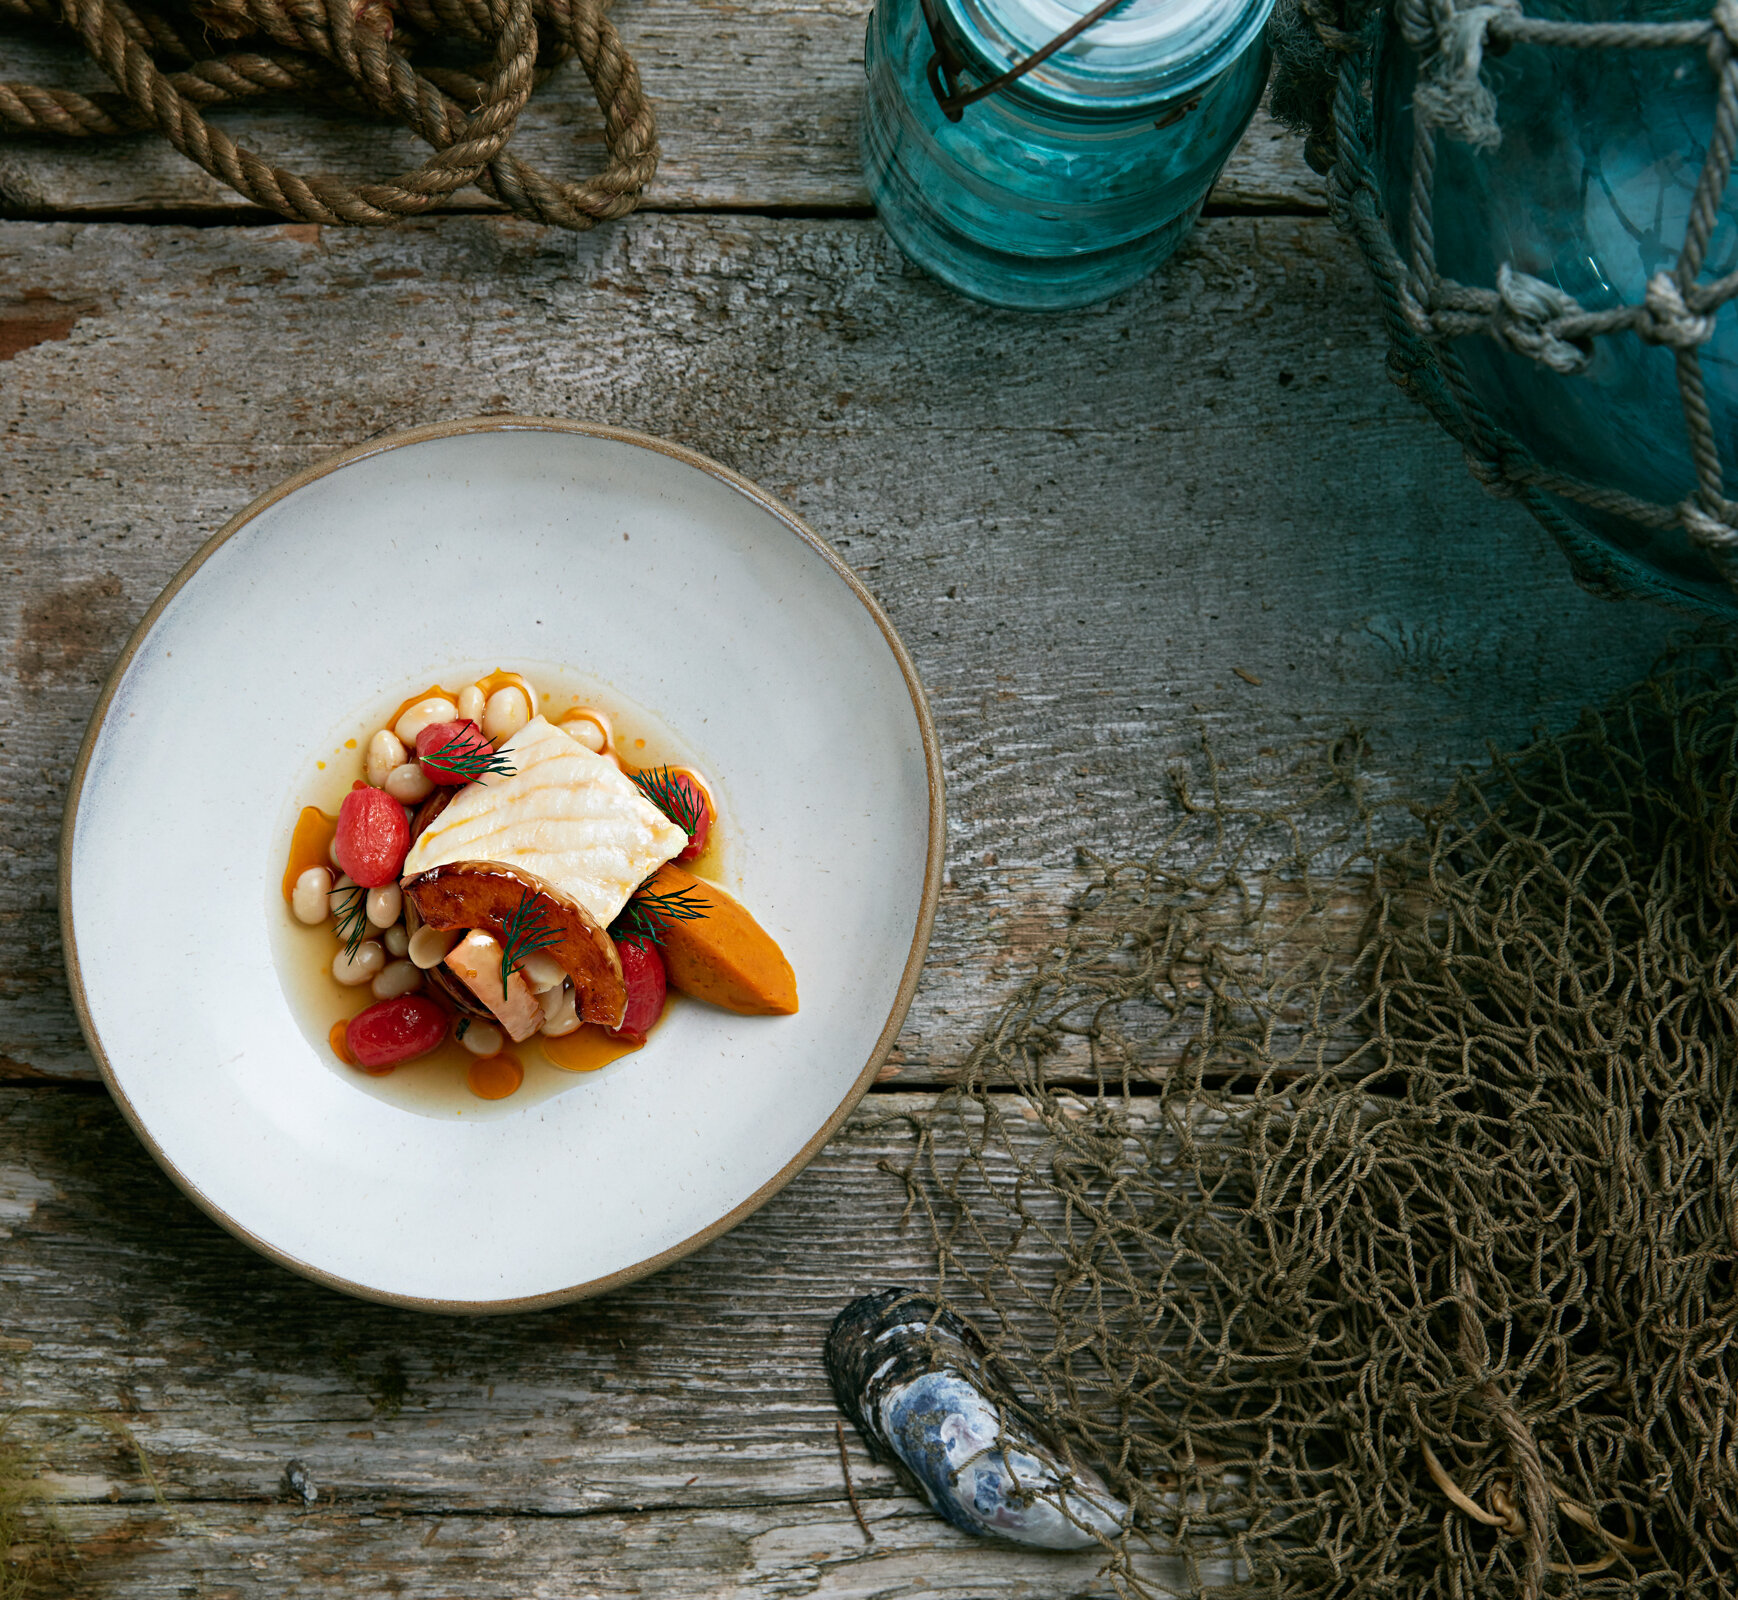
1200, 508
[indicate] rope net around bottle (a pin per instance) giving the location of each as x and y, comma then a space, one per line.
171, 64
1324, 52
1367, 1213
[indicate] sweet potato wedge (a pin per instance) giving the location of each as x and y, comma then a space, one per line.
723, 956
484, 894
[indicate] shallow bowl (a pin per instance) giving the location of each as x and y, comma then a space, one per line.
523, 543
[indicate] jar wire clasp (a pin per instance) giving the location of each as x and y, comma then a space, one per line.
946, 65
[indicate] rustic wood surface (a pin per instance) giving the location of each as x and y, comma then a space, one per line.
1198, 510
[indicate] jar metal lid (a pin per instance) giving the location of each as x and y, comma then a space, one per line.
1142, 52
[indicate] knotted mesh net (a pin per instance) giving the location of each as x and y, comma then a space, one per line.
1362, 1199
1326, 54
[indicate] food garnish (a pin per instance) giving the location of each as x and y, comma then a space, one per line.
455, 753
645, 917
679, 796
350, 913
526, 931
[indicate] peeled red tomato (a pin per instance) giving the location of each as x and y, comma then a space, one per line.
643, 974
394, 1031
373, 837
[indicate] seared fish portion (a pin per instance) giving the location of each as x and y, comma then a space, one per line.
569, 816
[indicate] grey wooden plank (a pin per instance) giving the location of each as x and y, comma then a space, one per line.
1083, 525
758, 107
675, 1438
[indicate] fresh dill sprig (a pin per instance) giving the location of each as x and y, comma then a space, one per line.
679, 801
524, 931
350, 912
645, 917
470, 756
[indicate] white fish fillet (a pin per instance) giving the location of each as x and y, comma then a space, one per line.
568, 815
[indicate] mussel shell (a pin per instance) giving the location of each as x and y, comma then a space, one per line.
917, 1384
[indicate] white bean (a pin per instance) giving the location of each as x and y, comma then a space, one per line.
353, 967
409, 785
424, 714
559, 1013
332, 852
471, 703
542, 972
590, 726
506, 713
429, 946
385, 751
397, 940
484, 1039
308, 898
385, 904
339, 898
396, 978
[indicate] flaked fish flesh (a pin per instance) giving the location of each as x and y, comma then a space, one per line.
917, 1386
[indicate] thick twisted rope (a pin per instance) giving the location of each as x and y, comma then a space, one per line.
353, 53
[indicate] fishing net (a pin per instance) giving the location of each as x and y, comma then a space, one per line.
1362, 1200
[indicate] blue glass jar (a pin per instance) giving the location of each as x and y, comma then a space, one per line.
1589, 192
1080, 177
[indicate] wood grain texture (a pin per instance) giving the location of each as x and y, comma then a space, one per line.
1083, 526
757, 107
204, 1419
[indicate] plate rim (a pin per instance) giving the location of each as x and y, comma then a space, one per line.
912, 972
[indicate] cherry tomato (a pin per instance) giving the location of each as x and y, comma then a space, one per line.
453, 752
702, 802
393, 1031
372, 838
643, 973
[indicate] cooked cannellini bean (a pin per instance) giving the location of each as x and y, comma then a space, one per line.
471, 701
332, 852
506, 713
351, 967
308, 898
559, 1013
385, 751
339, 899
590, 726
409, 785
385, 904
397, 940
422, 715
396, 978
429, 946
484, 1039
542, 972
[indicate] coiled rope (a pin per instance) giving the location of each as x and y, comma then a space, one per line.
171, 66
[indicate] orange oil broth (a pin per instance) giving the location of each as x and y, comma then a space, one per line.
587, 1048
495, 1077
309, 845
339, 1039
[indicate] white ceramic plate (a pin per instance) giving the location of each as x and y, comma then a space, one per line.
499, 540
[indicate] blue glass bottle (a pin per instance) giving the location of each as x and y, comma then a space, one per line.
1589, 192
1079, 178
